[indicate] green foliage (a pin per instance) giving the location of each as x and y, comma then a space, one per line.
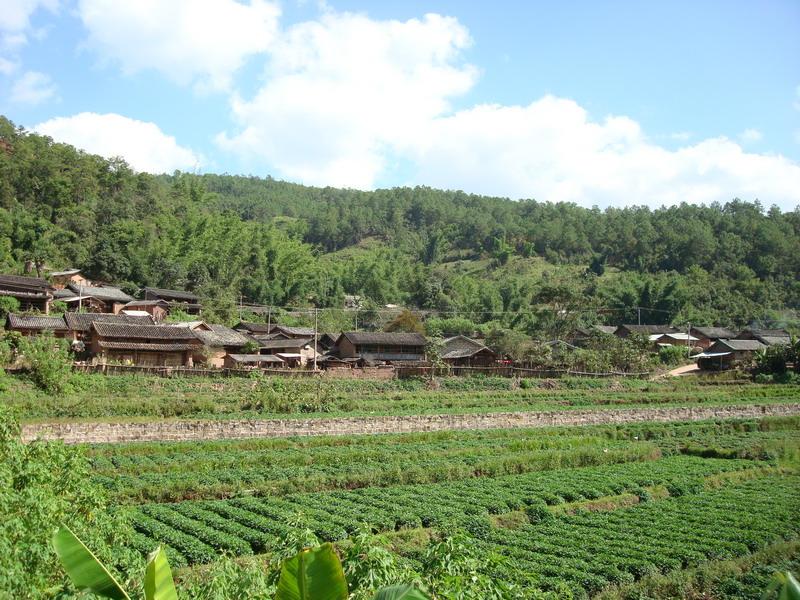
8, 305
312, 574
673, 355
406, 322
42, 485
772, 359
48, 361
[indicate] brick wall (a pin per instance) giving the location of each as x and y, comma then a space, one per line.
73, 433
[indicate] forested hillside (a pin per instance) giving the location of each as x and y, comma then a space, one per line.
521, 264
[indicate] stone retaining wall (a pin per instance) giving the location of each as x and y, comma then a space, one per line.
75, 433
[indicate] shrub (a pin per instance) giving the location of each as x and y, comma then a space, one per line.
48, 361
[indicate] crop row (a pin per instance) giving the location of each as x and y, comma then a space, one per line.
594, 550
159, 472
248, 524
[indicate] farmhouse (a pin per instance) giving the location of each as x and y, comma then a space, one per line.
219, 341
462, 351
293, 351
624, 331
158, 309
32, 293
78, 303
382, 347
80, 324
582, 334
61, 279
253, 328
661, 340
243, 361
36, 325
176, 299
706, 336
768, 337
144, 345
725, 354
111, 298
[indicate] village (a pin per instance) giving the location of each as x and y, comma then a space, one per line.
105, 326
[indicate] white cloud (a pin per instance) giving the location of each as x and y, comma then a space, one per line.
7, 67
15, 24
344, 90
551, 150
32, 88
751, 135
143, 145
190, 41
681, 136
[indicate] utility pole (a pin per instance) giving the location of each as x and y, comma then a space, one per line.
315, 339
356, 319
269, 319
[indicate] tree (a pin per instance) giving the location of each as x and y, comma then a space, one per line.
406, 322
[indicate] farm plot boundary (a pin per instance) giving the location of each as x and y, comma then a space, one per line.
189, 430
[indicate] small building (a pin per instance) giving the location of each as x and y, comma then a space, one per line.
33, 293
768, 337
253, 328
244, 361
219, 341
37, 325
382, 347
61, 279
624, 331
77, 303
292, 332
158, 309
177, 299
725, 354
582, 334
706, 336
293, 351
112, 298
79, 325
144, 345
660, 340
462, 351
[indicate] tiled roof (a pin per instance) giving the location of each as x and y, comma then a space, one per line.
102, 292
63, 273
649, 329
389, 339
295, 331
133, 303
255, 358
714, 333
222, 336
36, 322
145, 332
83, 321
29, 282
460, 346
254, 327
172, 294
146, 346
741, 345
284, 343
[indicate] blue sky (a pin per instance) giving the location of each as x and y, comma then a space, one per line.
598, 103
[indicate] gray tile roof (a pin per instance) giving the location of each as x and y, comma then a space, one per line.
179, 295
256, 358
388, 339
33, 283
147, 346
648, 329
221, 336
460, 346
145, 332
276, 344
40, 323
739, 345
293, 331
101, 292
253, 327
83, 321
714, 333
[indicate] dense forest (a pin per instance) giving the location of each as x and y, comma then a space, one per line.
526, 265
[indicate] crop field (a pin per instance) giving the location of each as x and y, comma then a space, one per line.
99, 397
604, 510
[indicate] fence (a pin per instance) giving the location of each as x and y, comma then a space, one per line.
507, 371
186, 371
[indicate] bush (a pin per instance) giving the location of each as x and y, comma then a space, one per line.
673, 355
538, 513
48, 362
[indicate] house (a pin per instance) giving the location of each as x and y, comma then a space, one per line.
706, 336
158, 309
382, 347
243, 361
292, 332
768, 337
659, 340
33, 293
79, 303
725, 354
253, 328
79, 325
582, 334
36, 325
61, 279
462, 351
624, 331
293, 351
177, 299
112, 298
144, 345
219, 342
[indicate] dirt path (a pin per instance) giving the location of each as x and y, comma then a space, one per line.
156, 431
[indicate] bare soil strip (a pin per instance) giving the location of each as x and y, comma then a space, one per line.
190, 430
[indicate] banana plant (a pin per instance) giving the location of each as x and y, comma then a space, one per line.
784, 586
312, 574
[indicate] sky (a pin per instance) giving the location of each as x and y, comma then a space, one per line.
611, 103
